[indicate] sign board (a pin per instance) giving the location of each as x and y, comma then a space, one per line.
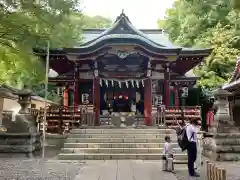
184, 92
157, 100
85, 97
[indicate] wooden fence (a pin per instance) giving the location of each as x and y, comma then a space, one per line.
214, 172
60, 119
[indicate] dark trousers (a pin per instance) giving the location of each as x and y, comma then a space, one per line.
192, 156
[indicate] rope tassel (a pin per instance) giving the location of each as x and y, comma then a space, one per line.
127, 85
106, 82
137, 84
143, 83
120, 84
132, 81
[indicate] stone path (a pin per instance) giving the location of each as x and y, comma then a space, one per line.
123, 170
232, 169
32, 169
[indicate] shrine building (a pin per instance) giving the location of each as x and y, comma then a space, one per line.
123, 65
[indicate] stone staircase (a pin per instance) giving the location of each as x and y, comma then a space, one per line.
118, 144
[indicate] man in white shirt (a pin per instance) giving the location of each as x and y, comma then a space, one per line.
191, 130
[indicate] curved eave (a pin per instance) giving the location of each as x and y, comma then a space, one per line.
235, 85
183, 65
53, 52
122, 39
196, 52
236, 72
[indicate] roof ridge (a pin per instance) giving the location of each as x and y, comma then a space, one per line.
122, 19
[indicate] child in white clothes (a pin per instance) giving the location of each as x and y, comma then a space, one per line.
167, 153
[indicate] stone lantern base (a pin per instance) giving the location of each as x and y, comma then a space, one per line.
21, 136
223, 143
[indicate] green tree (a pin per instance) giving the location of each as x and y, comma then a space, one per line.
28, 24
199, 23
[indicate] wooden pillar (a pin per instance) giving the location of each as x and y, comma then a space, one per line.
167, 86
148, 101
76, 87
65, 96
96, 99
1, 109
176, 96
76, 94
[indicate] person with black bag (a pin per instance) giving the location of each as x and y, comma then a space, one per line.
187, 140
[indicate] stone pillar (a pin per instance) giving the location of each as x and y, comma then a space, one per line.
65, 96
148, 101
167, 86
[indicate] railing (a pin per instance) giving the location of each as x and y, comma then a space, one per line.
170, 116
213, 172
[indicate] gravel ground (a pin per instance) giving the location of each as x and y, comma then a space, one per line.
19, 167
34, 169
231, 167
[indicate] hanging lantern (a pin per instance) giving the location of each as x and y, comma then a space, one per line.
96, 73
148, 73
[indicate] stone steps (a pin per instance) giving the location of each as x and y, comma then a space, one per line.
117, 150
122, 131
119, 144
116, 145
123, 136
120, 156
115, 140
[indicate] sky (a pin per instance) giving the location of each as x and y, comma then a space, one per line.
142, 14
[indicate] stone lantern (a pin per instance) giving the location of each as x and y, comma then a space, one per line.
221, 104
24, 99
220, 142
21, 135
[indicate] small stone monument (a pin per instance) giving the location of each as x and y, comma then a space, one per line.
25, 122
21, 135
223, 136
4, 93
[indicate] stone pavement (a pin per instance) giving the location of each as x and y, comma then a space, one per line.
123, 170
232, 169
32, 169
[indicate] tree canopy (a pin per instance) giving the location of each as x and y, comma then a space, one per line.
201, 23
27, 24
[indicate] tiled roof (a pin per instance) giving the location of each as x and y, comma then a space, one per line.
156, 35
